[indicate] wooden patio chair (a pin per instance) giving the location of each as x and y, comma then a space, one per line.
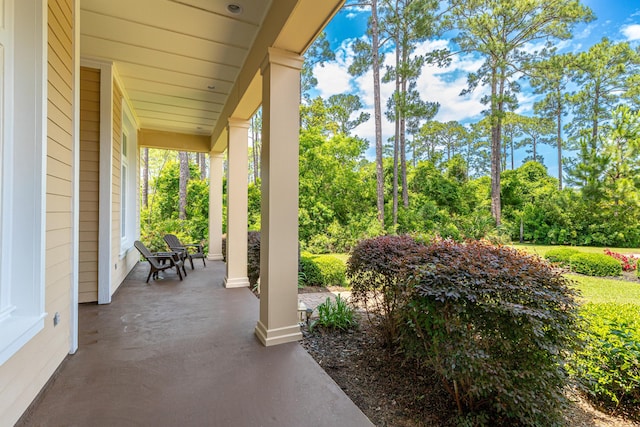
160, 261
190, 251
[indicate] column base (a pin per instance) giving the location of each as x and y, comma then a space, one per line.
269, 337
214, 257
237, 282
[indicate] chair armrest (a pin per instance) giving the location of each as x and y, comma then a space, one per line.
195, 245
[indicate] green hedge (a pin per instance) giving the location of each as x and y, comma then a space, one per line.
595, 264
310, 274
332, 269
607, 366
560, 255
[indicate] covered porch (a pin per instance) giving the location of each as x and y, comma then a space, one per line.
184, 353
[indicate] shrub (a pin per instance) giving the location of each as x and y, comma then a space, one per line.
560, 255
253, 255
494, 324
377, 270
627, 262
595, 265
335, 315
332, 270
311, 274
608, 364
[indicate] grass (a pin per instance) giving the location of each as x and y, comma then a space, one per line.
540, 250
598, 290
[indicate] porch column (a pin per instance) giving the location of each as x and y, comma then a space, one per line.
237, 181
279, 240
216, 161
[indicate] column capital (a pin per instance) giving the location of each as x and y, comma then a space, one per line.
281, 57
216, 155
234, 122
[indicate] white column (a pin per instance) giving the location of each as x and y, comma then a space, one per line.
237, 224
216, 162
279, 240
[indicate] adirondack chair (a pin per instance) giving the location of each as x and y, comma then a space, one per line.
189, 251
160, 261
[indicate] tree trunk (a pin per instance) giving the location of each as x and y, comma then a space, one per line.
377, 109
184, 179
145, 177
255, 150
203, 166
495, 146
396, 139
513, 166
534, 148
559, 141
403, 139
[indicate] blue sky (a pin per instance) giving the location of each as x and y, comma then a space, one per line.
619, 20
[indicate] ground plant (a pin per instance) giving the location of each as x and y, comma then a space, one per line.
595, 265
332, 270
628, 262
336, 314
607, 365
495, 324
561, 255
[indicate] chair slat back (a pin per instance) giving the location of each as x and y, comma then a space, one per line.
146, 253
172, 241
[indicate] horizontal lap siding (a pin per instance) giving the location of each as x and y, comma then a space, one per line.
24, 375
89, 183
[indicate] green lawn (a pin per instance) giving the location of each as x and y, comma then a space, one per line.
540, 250
599, 290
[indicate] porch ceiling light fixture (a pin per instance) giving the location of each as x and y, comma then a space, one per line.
234, 8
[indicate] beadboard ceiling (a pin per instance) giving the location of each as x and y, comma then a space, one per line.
177, 59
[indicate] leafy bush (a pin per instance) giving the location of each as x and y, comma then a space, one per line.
153, 235
560, 255
627, 262
595, 265
312, 276
332, 270
253, 255
335, 315
495, 325
608, 364
378, 269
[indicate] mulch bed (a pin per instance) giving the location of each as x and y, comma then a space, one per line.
392, 393
380, 384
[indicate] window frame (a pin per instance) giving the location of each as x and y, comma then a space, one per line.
23, 174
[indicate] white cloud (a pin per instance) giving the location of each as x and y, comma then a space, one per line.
631, 32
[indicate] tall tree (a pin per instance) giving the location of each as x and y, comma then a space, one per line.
500, 30
256, 146
550, 78
184, 180
202, 164
145, 177
341, 108
602, 76
537, 130
406, 22
368, 55
511, 131
318, 53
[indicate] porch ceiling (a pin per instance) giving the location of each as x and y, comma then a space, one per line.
185, 64
178, 59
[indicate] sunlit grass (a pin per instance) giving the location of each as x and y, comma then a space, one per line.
598, 290
540, 250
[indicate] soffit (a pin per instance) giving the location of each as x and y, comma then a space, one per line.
177, 59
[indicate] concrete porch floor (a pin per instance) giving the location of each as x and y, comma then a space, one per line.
174, 353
